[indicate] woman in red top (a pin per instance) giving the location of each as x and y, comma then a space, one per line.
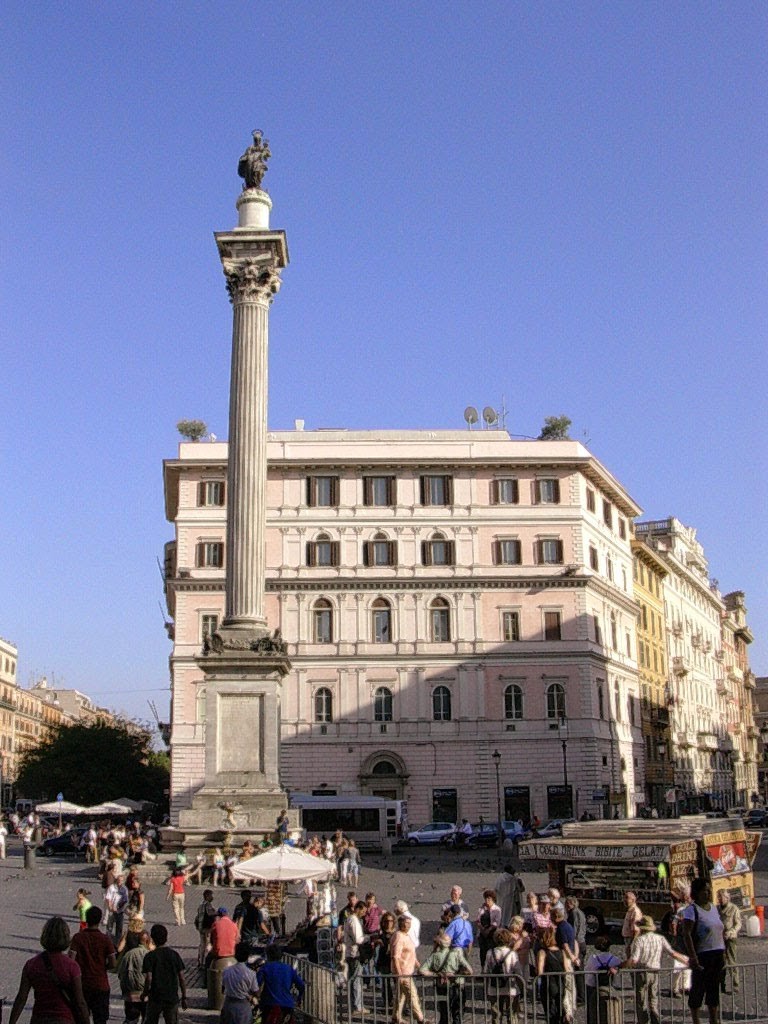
55, 980
176, 893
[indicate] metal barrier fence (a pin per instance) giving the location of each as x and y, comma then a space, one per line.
383, 999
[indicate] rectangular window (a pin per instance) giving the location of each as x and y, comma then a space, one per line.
379, 491
323, 553
590, 500
210, 555
323, 623
211, 493
510, 623
322, 491
547, 491
593, 562
552, 626
608, 513
598, 631
507, 551
381, 625
208, 625
380, 552
609, 567
438, 552
436, 490
549, 551
622, 528
505, 491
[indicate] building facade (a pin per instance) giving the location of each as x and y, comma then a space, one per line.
443, 595
711, 726
649, 573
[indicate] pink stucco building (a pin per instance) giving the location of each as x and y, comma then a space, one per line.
443, 595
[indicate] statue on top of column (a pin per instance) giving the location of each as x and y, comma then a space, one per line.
252, 165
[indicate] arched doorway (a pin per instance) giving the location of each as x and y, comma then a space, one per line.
384, 775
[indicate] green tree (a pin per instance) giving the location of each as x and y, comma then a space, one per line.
193, 430
91, 763
555, 429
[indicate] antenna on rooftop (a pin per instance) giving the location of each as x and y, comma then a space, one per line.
470, 416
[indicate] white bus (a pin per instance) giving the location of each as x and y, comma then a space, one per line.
369, 820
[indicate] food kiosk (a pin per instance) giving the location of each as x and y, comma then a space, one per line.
599, 861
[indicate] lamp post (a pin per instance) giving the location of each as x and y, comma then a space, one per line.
563, 731
496, 761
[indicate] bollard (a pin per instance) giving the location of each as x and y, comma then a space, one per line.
760, 911
215, 971
386, 847
29, 858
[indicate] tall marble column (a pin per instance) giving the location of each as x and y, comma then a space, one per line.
243, 664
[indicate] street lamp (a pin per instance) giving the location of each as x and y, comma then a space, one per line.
496, 761
563, 731
661, 750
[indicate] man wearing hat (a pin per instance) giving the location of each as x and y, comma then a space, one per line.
224, 936
645, 954
449, 965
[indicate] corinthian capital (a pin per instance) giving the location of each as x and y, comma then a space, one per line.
251, 279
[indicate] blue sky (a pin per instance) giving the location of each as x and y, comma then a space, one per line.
560, 204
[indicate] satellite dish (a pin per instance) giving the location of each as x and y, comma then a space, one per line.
211, 437
490, 415
470, 415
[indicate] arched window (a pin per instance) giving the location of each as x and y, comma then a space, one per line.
381, 621
438, 551
323, 551
441, 704
556, 702
322, 621
513, 703
379, 551
440, 620
382, 705
323, 705
383, 768
614, 632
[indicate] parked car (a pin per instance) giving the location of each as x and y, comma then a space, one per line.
514, 830
67, 842
756, 818
552, 828
484, 833
431, 834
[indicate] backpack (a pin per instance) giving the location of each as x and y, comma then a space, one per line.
604, 975
498, 977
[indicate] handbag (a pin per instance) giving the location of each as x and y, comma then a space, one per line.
66, 995
441, 984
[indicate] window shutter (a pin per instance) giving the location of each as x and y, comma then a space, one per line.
334, 490
426, 553
560, 551
367, 553
494, 492
451, 552
367, 491
311, 559
448, 490
201, 493
392, 552
516, 491
335, 552
538, 554
222, 493
537, 492
199, 555
424, 494
311, 492
391, 490
496, 551
557, 491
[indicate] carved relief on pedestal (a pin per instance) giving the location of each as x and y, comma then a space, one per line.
252, 279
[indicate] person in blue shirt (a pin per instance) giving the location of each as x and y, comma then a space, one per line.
277, 982
459, 929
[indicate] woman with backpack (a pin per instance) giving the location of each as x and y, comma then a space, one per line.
598, 975
504, 982
702, 932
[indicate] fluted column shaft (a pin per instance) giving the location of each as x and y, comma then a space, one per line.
247, 465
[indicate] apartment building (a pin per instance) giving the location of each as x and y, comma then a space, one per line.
450, 600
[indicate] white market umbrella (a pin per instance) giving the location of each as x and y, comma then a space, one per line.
132, 805
59, 806
284, 863
106, 808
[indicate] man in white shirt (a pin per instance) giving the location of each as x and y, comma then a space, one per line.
116, 902
414, 929
645, 954
354, 937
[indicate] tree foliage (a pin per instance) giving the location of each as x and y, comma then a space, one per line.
193, 430
92, 763
555, 429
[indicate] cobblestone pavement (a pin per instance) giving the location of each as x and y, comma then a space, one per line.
422, 877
